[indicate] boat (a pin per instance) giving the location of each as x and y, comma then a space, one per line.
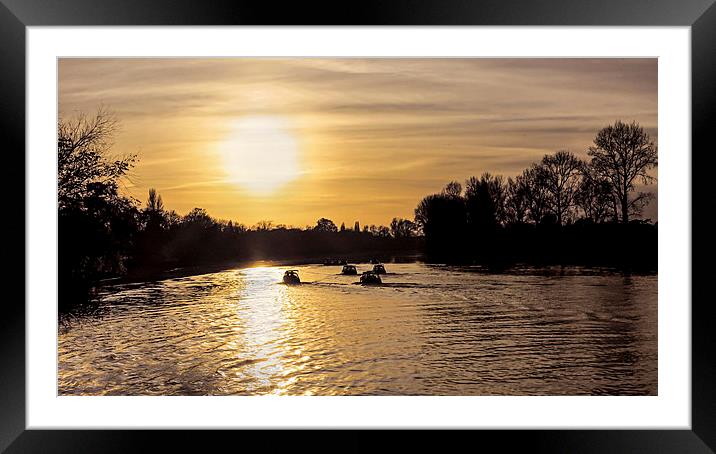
349, 269
379, 269
290, 277
370, 278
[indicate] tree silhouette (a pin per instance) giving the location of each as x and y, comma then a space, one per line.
443, 220
453, 189
154, 201
402, 228
96, 225
516, 201
325, 225
155, 218
536, 193
595, 197
623, 154
198, 217
562, 175
382, 231
356, 227
83, 159
485, 199
264, 225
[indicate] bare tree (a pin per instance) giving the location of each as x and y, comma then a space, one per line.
562, 173
264, 225
623, 154
595, 196
535, 184
516, 201
83, 158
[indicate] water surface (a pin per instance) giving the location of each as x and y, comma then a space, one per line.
429, 330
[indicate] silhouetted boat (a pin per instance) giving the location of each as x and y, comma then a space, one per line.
290, 277
378, 269
370, 278
349, 269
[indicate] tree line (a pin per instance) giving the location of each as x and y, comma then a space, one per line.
557, 204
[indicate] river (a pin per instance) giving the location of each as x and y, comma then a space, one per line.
428, 330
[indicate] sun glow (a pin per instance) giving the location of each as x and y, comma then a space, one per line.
261, 154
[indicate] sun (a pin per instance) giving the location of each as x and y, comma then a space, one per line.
261, 154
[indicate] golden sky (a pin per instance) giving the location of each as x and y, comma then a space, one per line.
293, 140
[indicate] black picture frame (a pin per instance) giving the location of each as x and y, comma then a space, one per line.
700, 15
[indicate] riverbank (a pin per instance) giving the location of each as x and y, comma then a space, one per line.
148, 274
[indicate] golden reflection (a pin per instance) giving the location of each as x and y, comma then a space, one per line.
261, 304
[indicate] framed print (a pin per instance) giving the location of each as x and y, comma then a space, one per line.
412, 216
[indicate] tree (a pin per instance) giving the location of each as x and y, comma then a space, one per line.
453, 189
198, 217
536, 194
562, 174
83, 159
154, 214
343, 227
356, 227
622, 155
485, 198
595, 196
172, 219
325, 225
96, 225
516, 201
154, 201
382, 231
264, 226
443, 220
402, 228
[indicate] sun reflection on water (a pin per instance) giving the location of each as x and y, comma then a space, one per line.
260, 304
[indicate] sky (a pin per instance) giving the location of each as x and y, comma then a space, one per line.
294, 140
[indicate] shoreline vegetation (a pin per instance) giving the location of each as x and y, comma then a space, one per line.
560, 211
148, 274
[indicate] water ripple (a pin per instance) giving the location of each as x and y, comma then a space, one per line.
429, 330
